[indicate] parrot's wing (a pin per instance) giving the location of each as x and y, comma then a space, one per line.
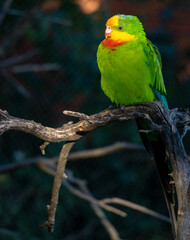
158, 83
153, 60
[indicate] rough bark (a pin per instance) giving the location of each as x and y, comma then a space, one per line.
171, 125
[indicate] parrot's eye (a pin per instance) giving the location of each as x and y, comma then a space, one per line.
120, 27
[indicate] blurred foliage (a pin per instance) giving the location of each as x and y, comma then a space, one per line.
48, 64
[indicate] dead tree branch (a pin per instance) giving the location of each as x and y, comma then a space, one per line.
74, 131
56, 186
165, 122
18, 58
83, 193
111, 230
136, 207
35, 67
83, 154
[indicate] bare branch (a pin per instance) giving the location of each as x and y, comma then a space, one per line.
43, 147
10, 233
74, 131
57, 183
35, 67
17, 85
93, 200
18, 58
136, 207
85, 154
50, 169
57, 20
114, 235
7, 168
119, 201
99, 152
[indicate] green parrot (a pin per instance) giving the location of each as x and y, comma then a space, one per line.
131, 73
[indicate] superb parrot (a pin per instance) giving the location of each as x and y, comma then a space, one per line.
131, 73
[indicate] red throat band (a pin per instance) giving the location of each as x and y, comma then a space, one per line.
111, 43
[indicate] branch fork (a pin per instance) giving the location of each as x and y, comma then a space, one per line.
165, 122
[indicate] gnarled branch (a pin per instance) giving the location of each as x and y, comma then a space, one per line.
165, 122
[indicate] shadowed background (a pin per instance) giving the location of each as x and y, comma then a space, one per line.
48, 64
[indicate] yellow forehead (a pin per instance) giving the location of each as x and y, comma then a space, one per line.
113, 21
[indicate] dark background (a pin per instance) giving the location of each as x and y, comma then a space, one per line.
48, 64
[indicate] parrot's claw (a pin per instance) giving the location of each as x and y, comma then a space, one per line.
122, 108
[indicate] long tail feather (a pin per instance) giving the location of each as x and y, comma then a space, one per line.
156, 150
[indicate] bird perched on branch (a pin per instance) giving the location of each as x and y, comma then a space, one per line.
131, 73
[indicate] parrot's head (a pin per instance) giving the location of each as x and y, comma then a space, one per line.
124, 28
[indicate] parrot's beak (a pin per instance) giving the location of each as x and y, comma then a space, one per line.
107, 36
108, 32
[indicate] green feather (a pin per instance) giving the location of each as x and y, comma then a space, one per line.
131, 73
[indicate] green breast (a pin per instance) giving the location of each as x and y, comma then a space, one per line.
125, 75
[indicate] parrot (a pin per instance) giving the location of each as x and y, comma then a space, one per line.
131, 73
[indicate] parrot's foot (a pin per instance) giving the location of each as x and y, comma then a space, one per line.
122, 108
